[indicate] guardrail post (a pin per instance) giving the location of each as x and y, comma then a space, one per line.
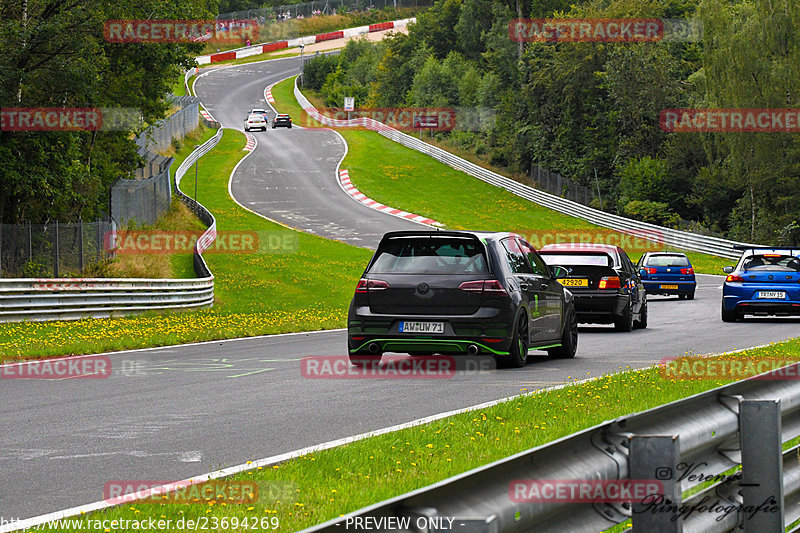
762, 465
656, 457
55, 251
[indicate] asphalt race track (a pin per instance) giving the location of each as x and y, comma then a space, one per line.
291, 175
172, 413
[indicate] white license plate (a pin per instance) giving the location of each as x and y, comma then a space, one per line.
772, 295
421, 327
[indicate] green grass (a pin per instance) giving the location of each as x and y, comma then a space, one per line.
275, 54
305, 285
406, 179
329, 483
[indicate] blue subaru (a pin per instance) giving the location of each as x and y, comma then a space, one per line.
766, 281
667, 273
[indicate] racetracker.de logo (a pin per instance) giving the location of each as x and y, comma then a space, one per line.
635, 241
93, 367
586, 30
180, 31
730, 120
729, 368
69, 119
230, 492
583, 490
399, 118
389, 367
183, 242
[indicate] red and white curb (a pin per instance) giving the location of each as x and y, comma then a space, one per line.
350, 189
206, 115
251, 142
268, 94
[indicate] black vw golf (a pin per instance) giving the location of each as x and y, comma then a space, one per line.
459, 292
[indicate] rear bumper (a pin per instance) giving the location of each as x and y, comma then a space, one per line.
599, 307
761, 307
656, 287
489, 329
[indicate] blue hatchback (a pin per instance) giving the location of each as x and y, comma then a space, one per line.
667, 273
766, 281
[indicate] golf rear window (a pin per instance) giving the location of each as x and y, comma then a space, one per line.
600, 259
772, 262
667, 261
430, 256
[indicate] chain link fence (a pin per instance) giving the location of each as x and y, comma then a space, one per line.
44, 250
159, 137
558, 185
266, 15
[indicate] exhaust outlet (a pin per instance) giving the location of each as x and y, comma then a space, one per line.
472, 349
374, 348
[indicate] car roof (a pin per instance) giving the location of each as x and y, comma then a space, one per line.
580, 247
487, 235
681, 254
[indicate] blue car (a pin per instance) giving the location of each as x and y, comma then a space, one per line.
667, 273
766, 281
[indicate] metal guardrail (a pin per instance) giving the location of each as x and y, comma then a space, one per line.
668, 236
38, 299
683, 445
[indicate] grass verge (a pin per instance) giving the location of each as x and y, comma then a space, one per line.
320, 486
412, 181
299, 282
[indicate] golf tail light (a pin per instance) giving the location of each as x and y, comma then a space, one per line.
651, 270
609, 282
366, 285
688, 271
734, 278
489, 286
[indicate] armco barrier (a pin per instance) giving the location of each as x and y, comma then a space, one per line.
36, 299
668, 236
680, 445
310, 39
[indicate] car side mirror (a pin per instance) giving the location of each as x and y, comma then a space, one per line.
727, 270
560, 271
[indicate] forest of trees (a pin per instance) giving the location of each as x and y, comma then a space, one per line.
53, 55
581, 108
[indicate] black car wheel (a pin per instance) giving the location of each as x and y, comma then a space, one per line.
642, 322
569, 339
690, 296
625, 322
729, 316
518, 352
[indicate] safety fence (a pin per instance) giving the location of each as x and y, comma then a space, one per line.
682, 240
52, 249
711, 463
37, 299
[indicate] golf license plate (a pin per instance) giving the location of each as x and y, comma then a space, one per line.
673, 287
772, 295
421, 327
574, 282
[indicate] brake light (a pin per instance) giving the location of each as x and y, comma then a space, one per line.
609, 282
366, 285
689, 271
732, 278
772, 255
490, 286
651, 270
